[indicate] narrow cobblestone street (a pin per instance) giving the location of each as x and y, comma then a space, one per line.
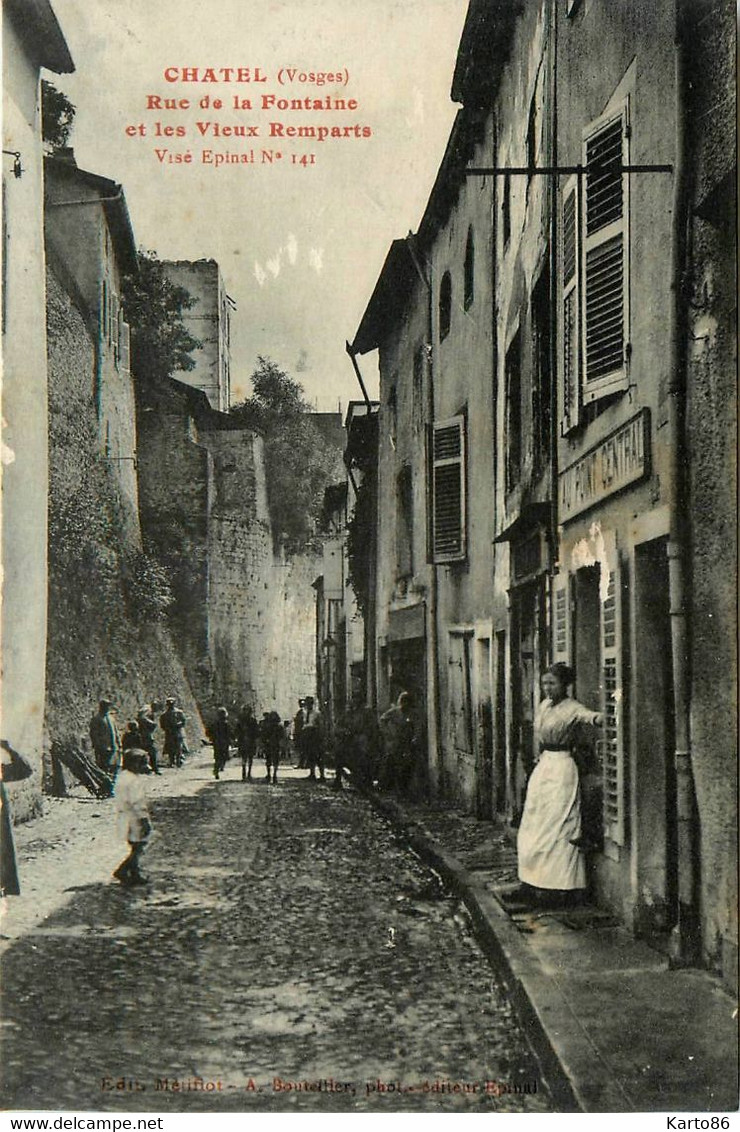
285, 933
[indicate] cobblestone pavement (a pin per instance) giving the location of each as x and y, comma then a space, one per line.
286, 934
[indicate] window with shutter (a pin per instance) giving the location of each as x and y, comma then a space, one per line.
513, 377
506, 209
469, 271
448, 490
570, 375
605, 228
445, 305
541, 390
561, 639
612, 706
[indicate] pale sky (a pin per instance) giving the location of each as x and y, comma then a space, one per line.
300, 248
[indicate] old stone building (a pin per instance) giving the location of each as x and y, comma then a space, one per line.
244, 612
90, 245
32, 39
360, 547
403, 605
209, 321
107, 630
632, 594
556, 431
340, 626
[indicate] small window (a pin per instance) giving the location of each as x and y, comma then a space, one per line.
445, 305
125, 347
506, 209
532, 136
104, 310
417, 404
419, 370
541, 371
513, 376
113, 337
392, 414
469, 270
404, 522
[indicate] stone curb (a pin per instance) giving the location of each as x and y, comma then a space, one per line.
540, 1004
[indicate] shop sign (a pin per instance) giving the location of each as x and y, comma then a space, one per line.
622, 459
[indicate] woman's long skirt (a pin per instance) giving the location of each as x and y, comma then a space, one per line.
550, 822
9, 885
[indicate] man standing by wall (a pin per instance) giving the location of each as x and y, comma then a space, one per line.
172, 722
312, 735
106, 741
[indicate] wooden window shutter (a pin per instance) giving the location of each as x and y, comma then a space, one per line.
605, 228
612, 694
448, 490
570, 352
561, 621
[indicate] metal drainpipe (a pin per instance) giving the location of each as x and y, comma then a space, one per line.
434, 595
685, 939
500, 787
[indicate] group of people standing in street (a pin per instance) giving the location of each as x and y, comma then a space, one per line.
270, 738
550, 842
109, 745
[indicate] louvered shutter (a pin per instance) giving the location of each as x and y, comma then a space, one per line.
612, 694
448, 490
570, 353
561, 630
605, 227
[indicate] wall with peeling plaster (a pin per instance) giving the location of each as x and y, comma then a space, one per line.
712, 429
25, 466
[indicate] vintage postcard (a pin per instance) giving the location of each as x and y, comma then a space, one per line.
369, 715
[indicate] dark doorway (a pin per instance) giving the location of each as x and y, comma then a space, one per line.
408, 674
499, 743
528, 661
655, 781
484, 737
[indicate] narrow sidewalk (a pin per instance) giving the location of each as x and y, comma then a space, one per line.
616, 1030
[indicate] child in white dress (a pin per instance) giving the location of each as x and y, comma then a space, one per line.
133, 815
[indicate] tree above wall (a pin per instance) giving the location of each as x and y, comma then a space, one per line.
57, 117
153, 306
299, 461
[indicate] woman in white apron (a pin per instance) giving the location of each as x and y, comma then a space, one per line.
551, 864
